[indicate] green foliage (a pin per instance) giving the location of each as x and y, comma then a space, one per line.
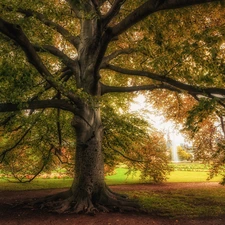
16, 80
199, 113
181, 44
131, 140
218, 160
40, 150
183, 154
155, 165
35, 143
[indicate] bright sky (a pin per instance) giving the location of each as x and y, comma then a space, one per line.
157, 120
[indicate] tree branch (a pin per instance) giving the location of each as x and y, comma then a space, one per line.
58, 124
16, 33
45, 162
56, 52
75, 7
149, 7
65, 33
110, 89
96, 7
64, 78
3, 154
6, 120
176, 84
127, 157
112, 12
115, 54
42, 104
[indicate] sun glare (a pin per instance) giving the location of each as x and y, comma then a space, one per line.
157, 120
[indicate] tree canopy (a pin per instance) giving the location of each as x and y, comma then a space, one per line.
63, 61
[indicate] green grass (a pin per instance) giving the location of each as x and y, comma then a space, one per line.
183, 172
191, 172
173, 203
180, 203
194, 173
120, 177
38, 183
190, 176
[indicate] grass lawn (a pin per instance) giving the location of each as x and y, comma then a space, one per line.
118, 178
37, 183
190, 176
175, 203
183, 172
178, 203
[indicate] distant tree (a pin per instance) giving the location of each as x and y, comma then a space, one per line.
67, 55
183, 155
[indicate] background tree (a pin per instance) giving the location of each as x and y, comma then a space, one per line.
67, 56
184, 154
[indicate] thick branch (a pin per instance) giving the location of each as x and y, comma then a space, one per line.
64, 78
149, 7
115, 54
110, 89
96, 7
65, 33
75, 7
56, 103
56, 52
15, 33
113, 11
176, 84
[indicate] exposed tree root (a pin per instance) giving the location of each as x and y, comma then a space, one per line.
102, 201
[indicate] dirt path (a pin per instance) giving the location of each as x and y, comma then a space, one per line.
21, 216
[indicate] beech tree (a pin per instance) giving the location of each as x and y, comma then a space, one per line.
69, 55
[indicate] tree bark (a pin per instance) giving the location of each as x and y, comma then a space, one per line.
88, 193
89, 163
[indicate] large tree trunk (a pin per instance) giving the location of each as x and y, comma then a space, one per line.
88, 193
89, 164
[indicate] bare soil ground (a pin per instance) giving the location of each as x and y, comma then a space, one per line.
23, 216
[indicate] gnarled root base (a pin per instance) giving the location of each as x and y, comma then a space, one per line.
102, 201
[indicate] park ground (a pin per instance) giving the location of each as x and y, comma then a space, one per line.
23, 216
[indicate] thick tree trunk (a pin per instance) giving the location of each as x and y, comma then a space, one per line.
89, 156
89, 163
88, 193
